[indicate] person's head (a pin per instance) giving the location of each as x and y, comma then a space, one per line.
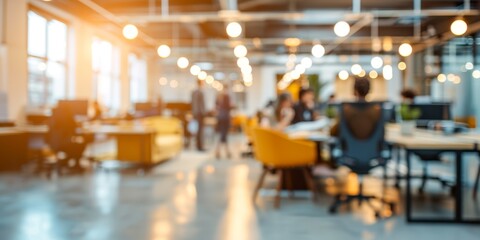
284, 100
306, 96
408, 95
361, 87
225, 88
200, 83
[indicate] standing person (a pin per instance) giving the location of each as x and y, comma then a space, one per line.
198, 111
305, 108
223, 107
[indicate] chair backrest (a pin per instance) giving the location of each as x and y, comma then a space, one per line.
361, 136
61, 129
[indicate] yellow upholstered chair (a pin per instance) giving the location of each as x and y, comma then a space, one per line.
278, 153
168, 140
247, 127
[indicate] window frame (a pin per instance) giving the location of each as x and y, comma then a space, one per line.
49, 18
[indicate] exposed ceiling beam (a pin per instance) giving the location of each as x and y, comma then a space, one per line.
283, 16
114, 19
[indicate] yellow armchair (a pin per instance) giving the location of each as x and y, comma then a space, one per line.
276, 151
168, 140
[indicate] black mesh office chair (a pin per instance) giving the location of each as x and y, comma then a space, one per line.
361, 147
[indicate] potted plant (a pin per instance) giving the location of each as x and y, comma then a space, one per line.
409, 115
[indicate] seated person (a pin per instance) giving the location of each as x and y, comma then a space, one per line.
284, 112
364, 122
304, 109
408, 95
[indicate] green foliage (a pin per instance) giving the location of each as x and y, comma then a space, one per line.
331, 112
407, 113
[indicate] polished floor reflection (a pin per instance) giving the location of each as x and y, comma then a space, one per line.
193, 197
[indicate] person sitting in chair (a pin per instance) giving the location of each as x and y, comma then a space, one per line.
364, 125
305, 108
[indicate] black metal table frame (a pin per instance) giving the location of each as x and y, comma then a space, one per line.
458, 217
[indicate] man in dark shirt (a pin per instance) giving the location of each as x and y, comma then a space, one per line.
198, 111
304, 109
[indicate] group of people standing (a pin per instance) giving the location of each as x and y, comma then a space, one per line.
222, 110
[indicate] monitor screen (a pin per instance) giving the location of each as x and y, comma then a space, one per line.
76, 107
434, 111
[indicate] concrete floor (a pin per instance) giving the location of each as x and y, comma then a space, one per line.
197, 197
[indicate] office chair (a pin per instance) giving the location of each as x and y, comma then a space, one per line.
280, 154
64, 142
361, 147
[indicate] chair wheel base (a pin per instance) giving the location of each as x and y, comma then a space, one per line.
332, 210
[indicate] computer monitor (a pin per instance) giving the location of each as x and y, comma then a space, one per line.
79, 108
432, 112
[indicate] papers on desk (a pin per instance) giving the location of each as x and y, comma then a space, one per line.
312, 136
308, 126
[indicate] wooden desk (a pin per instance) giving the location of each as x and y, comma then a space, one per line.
134, 142
13, 149
425, 140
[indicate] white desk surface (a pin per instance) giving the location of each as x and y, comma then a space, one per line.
421, 138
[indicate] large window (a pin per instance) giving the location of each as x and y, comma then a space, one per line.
138, 79
106, 74
47, 60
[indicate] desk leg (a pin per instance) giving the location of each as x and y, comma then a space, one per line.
409, 193
458, 187
397, 167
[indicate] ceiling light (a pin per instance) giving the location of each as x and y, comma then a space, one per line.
295, 75
318, 50
387, 44
362, 73
209, 79
457, 80
306, 62
240, 51
376, 62
247, 78
195, 70
246, 69
300, 69
469, 66
451, 77
458, 27
441, 77
343, 75
130, 31
174, 84
202, 75
292, 42
234, 29
373, 74
356, 69
182, 62
243, 61
402, 66
164, 51
163, 81
405, 50
341, 29
387, 72
476, 74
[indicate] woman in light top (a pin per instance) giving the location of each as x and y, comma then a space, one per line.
284, 112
